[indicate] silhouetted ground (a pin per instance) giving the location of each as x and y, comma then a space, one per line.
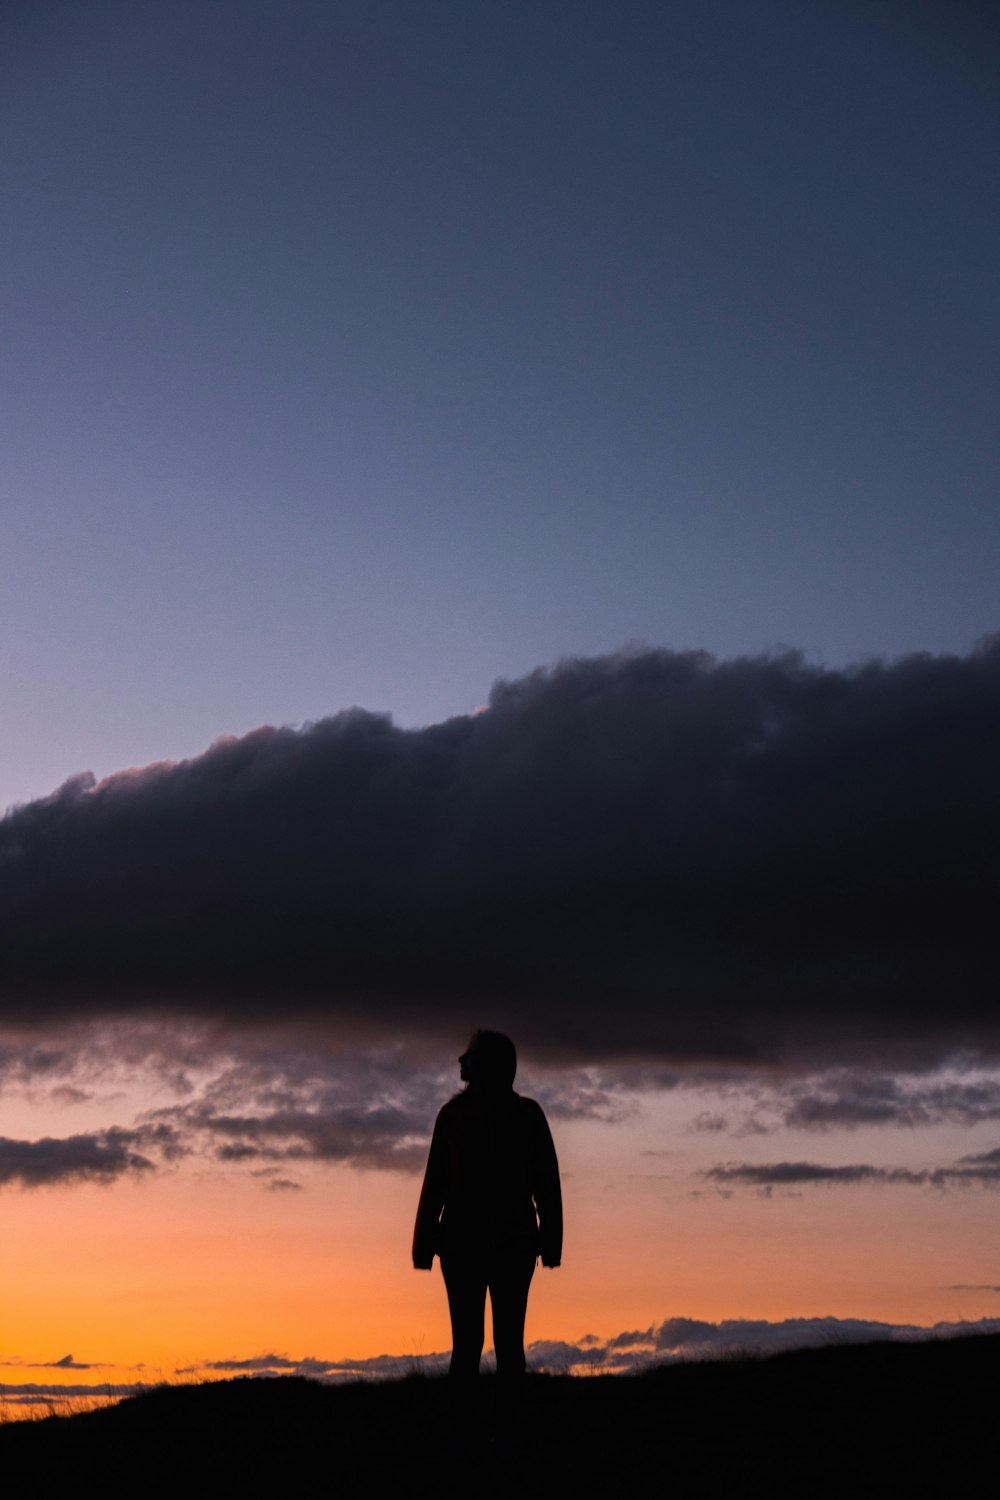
879, 1419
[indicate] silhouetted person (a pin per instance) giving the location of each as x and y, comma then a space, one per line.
490, 1205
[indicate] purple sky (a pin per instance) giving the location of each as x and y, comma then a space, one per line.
367, 353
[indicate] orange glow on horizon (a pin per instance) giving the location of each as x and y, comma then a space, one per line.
156, 1276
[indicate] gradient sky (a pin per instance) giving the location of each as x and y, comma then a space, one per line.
364, 353
369, 353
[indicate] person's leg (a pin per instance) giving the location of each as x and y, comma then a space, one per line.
510, 1281
465, 1282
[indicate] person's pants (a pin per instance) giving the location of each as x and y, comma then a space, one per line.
507, 1278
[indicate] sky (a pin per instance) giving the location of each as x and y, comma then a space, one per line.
499, 527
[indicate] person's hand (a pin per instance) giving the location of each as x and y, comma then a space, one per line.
423, 1265
553, 1265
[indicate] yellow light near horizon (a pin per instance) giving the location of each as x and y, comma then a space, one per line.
201, 1269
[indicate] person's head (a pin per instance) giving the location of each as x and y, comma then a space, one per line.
490, 1059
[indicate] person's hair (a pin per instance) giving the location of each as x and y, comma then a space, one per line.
496, 1057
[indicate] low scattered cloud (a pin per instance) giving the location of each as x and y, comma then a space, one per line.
267, 1364
66, 1094
582, 1094
963, 1091
326, 1370
259, 1097
380, 1139
670, 1341
97, 1060
66, 1363
695, 1338
855, 1100
982, 1166
97, 1156
293, 1104
23, 1063
276, 1096
794, 1173
73, 1397
977, 1170
651, 855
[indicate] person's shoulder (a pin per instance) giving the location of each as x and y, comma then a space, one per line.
529, 1109
453, 1108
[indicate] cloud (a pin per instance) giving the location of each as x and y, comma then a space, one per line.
651, 854
267, 1364
67, 1094
978, 1170
112, 1053
259, 1098
983, 1166
98, 1156
793, 1173
66, 1363
689, 1337
375, 1137
378, 1365
27, 1062
845, 1101
53, 1396
963, 1091
670, 1341
271, 1098
584, 1093
299, 1104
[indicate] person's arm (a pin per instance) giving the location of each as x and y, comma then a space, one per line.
432, 1198
547, 1194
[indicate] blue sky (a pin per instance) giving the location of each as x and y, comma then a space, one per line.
367, 353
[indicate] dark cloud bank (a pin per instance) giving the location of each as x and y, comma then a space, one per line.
654, 853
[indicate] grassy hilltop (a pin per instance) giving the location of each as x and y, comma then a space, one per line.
877, 1419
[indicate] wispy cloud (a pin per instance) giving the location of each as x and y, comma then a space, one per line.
371, 1111
849, 1100
962, 1091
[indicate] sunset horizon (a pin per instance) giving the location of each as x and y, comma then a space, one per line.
238, 1183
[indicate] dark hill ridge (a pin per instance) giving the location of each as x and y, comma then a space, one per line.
887, 1420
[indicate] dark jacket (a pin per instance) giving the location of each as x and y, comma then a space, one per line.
492, 1180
